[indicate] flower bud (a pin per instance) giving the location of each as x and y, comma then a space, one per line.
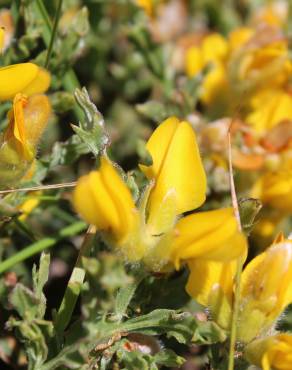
27, 121
266, 289
26, 78
271, 353
103, 199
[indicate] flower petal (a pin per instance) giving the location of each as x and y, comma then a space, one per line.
177, 167
210, 235
16, 78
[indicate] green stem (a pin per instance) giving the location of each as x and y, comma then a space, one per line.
54, 31
70, 81
74, 286
234, 320
41, 245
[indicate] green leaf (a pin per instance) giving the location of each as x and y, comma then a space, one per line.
94, 138
67, 152
135, 360
25, 302
168, 358
91, 131
124, 297
41, 276
156, 111
208, 332
181, 326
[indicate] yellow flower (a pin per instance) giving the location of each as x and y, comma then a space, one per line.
208, 235
260, 62
26, 78
180, 186
147, 5
271, 353
211, 284
104, 200
275, 189
268, 108
30, 203
213, 49
273, 13
266, 289
177, 170
239, 37
177, 185
211, 53
27, 121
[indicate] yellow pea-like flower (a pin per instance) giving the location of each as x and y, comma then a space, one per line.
259, 64
177, 170
268, 108
214, 49
275, 189
238, 37
152, 232
271, 353
27, 121
26, 78
266, 289
104, 200
212, 53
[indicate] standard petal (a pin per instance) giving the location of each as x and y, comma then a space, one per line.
182, 172
39, 84
158, 146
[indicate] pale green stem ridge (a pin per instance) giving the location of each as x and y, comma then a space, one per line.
54, 31
70, 81
74, 286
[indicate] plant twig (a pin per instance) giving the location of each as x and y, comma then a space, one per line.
41, 245
40, 187
235, 311
70, 80
73, 289
53, 34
